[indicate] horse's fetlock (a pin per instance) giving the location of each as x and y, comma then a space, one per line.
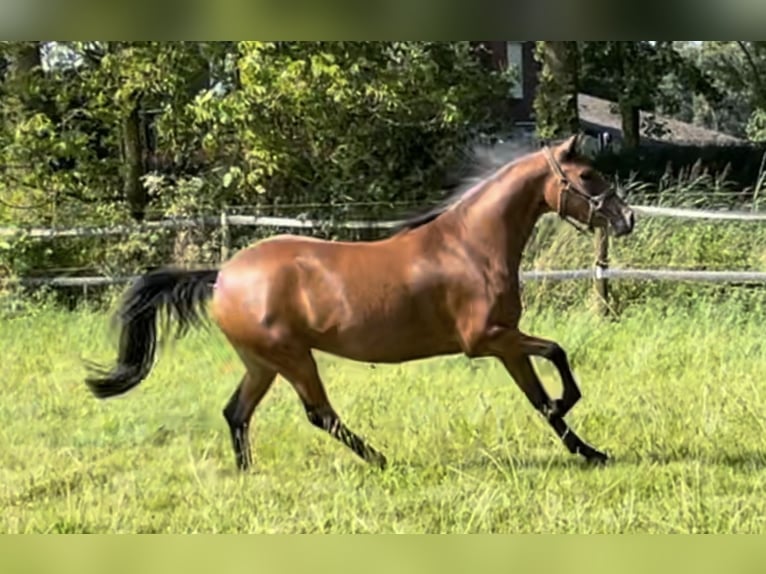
321, 417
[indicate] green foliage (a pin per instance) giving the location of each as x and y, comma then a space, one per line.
556, 112
756, 126
632, 72
640, 76
329, 122
64, 154
726, 88
214, 124
718, 85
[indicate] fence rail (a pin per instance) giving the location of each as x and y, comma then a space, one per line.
531, 275
303, 223
712, 214
601, 273
185, 222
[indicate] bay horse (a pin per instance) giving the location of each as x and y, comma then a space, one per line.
446, 282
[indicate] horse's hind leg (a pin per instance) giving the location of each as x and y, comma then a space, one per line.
239, 410
302, 373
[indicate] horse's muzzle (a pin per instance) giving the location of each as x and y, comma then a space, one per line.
624, 224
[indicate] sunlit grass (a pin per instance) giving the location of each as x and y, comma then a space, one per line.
674, 394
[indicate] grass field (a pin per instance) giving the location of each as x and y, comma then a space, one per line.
676, 397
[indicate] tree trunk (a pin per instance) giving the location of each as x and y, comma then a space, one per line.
133, 156
628, 100
556, 99
631, 125
25, 64
25, 60
200, 79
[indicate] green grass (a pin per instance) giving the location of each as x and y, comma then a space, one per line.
675, 395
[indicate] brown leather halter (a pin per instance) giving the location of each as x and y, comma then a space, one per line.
595, 202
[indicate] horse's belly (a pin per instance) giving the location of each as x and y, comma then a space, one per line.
351, 301
386, 340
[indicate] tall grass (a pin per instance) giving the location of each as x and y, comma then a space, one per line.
673, 393
659, 243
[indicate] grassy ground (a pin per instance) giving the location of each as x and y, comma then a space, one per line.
675, 396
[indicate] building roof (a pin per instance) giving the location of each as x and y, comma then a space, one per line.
597, 115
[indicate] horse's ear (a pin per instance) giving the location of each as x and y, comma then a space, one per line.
568, 148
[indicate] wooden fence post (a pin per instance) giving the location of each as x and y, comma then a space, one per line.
602, 247
225, 236
602, 264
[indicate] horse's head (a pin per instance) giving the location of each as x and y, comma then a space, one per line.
579, 193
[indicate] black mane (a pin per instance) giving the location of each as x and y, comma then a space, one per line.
482, 162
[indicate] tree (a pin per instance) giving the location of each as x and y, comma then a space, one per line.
91, 125
740, 69
631, 74
556, 99
175, 127
329, 121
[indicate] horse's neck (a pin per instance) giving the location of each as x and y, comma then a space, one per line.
500, 220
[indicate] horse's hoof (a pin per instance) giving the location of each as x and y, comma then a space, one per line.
379, 461
596, 457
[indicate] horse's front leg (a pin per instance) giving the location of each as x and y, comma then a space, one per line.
521, 370
552, 351
514, 349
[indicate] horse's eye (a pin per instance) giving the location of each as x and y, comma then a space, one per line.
586, 175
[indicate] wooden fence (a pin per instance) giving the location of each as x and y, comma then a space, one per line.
600, 273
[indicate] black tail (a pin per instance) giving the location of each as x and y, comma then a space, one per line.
180, 294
